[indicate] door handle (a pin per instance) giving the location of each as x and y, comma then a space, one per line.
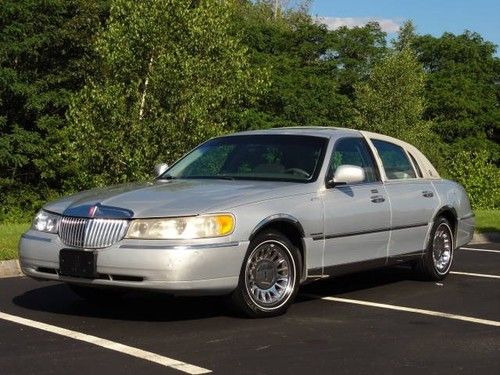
427, 194
377, 199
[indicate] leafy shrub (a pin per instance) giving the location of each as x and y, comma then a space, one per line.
19, 205
478, 175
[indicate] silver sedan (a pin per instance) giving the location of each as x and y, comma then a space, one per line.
253, 215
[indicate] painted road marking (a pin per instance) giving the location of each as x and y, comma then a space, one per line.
475, 274
476, 249
125, 349
409, 309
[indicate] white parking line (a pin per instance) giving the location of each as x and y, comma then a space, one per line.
475, 274
410, 309
483, 250
125, 349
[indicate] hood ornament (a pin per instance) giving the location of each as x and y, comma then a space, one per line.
97, 210
92, 211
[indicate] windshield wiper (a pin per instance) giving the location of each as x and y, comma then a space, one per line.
220, 177
166, 177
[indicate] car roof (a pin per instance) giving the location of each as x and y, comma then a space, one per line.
318, 131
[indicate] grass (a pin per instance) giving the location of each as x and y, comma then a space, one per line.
9, 238
486, 221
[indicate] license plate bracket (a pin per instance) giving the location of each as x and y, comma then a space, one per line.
78, 263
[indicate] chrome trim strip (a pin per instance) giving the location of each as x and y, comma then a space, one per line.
35, 238
467, 216
186, 247
348, 268
348, 234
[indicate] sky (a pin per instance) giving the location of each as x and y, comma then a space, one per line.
429, 16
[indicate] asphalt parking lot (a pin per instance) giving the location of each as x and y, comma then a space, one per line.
384, 321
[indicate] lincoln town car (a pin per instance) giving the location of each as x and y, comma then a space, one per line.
254, 215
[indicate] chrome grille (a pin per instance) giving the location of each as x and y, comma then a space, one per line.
91, 233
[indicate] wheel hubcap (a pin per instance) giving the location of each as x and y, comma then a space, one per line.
269, 274
265, 274
442, 247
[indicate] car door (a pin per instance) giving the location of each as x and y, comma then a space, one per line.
413, 199
357, 216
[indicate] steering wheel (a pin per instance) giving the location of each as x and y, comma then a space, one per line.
297, 171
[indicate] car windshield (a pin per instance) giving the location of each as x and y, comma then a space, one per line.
253, 157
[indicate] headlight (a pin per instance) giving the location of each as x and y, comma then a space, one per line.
182, 227
46, 222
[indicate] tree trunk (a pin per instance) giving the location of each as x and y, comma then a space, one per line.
145, 90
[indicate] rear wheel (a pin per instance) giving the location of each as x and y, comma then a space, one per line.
269, 278
437, 260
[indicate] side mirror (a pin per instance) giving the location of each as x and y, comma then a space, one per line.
160, 169
347, 174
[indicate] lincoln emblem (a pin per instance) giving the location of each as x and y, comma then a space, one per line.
92, 211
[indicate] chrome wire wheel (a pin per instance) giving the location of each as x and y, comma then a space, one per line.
442, 248
270, 275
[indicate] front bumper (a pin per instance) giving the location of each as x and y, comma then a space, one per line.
194, 267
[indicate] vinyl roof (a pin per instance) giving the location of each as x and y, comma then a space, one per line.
322, 131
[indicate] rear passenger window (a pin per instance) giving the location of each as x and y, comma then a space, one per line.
417, 167
396, 163
353, 151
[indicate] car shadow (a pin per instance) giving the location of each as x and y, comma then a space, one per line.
134, 306
338, 286
153, 306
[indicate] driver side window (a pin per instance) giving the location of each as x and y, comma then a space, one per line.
353, 151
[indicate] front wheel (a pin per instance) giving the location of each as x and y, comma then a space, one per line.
269, 278
437, 260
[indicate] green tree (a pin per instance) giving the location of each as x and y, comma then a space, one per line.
392, 102
159, 76
354, 52
462, 91
172, 73
44, 57
310, 67
406, 36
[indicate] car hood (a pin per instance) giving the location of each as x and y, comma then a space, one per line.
170, 198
